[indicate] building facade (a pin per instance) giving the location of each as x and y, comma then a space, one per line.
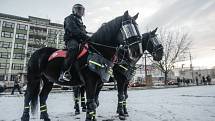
19, 38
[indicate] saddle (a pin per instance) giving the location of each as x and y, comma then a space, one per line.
63, 53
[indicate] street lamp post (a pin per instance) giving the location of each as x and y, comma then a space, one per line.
145, 66
191, 67
5, 71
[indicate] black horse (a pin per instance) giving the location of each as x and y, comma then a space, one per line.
91, 69
124, 72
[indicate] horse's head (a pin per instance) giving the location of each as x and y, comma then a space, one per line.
129, 37
121, 32
152, 45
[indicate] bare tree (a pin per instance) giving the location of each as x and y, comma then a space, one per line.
175, 43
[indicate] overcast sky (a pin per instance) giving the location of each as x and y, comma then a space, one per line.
194, 16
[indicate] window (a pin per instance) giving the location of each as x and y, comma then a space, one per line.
13, 77
20, 56
21, 36
32, 49
7, 34
22, 27
52, 39
5, 44
4, 65
52, 31
5, 55
16, 66
19, 46
8, 24
1, 76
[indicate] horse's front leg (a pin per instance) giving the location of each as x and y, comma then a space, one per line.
83, 103
98, 89
91, 104
126, 96
121, 98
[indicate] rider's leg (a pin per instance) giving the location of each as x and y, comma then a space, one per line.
73, 48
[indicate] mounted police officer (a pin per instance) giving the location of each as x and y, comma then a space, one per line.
75, 34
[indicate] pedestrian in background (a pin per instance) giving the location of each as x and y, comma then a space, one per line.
208, 79
178, 81
200, 79
197, 81
203, 80
16, 84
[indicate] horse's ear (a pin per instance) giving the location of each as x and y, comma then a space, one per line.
154, 31
136, 16
126, 13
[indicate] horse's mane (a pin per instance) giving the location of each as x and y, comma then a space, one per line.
107, 32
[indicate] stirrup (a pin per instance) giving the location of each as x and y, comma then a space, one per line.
66, 78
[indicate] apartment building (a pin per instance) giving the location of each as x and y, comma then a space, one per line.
19, 38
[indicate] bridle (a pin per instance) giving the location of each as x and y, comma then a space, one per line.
128, 31
155, 43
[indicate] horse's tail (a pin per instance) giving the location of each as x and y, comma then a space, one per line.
34, 100
36, 66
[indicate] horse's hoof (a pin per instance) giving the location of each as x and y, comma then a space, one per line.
25, 117
122, 117
90, 120
45, 117
126, 115
48, 119
77, 112
84, 109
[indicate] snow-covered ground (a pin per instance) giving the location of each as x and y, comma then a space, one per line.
172, 104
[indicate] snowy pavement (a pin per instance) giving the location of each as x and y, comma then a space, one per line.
172, 104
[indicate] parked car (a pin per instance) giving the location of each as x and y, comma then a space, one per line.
136, 84
158, 83
2, 87
172, 82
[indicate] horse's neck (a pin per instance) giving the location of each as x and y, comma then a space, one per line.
106, 52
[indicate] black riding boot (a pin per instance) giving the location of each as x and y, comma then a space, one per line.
73, 48
65, 76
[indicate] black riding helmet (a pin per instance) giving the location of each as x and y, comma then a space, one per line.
78, 10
